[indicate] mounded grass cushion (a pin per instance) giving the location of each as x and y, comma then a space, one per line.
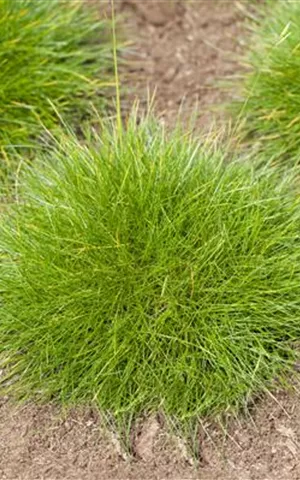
269, 104
143, 272
53, 53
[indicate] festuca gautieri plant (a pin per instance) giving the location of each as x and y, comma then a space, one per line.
141, 271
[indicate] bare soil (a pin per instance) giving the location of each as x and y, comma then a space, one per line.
41, 442
181, 49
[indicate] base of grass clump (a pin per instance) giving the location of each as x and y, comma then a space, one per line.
142, 272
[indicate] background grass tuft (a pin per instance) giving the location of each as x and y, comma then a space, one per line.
53, 53
269, 103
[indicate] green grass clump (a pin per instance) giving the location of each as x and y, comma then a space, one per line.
140, 271
269, 105
53, 53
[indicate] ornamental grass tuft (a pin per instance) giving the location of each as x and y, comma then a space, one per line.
141, 271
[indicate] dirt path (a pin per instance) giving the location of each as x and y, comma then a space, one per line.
181, 48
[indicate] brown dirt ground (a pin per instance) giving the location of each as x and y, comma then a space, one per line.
181, 48
40, 442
